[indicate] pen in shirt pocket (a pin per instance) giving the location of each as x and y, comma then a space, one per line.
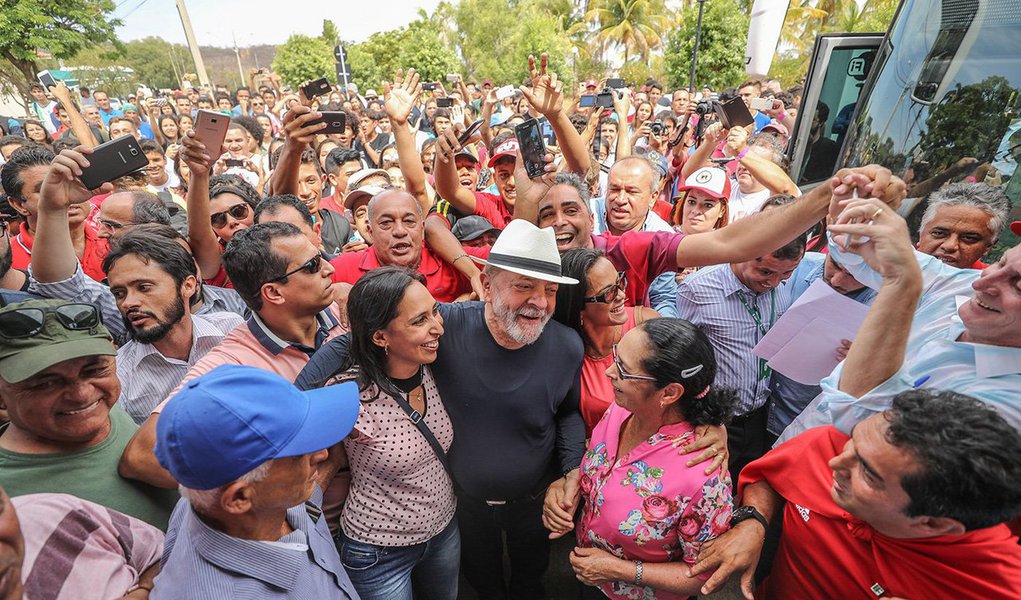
920, 381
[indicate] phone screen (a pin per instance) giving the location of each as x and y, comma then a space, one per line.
468, 133
47, 80
587, 101
533, 150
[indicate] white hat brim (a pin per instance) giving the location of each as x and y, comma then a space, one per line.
528, 272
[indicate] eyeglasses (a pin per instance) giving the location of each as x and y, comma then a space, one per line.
620, 368
114, 225
238, 211
311, 266
26, 322
609, 296
5, 227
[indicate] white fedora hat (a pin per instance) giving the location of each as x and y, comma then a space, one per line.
525, 249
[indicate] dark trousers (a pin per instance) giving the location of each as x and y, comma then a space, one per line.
747, 439
528, 547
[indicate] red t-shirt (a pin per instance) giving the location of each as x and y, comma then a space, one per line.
493, 208
596, 389
827, 553
330, 204
96, 250
978, 264
444, 281
643, 255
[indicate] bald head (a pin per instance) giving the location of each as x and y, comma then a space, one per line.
392, 198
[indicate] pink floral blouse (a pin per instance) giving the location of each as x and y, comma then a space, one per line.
648, 505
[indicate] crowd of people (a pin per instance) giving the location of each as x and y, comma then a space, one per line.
380, 362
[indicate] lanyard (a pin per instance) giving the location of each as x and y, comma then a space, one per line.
753, 312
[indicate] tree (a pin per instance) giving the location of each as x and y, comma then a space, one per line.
330, 35
631, 25
303, 58
720, 52
59, 29
418, 45
968, 122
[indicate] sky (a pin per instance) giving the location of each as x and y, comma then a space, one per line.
263, 21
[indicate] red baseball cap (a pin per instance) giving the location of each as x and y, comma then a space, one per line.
591, 83
711, 180
507, 148
1016, 227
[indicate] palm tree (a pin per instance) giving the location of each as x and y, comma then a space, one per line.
633, 24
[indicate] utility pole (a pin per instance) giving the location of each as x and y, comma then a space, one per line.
237, 54
196, 55
694, 54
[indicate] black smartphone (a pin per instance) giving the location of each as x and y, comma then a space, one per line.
111, 160
428, 87
468, 133
319, 87
532, 148
444, 102
234, 162
587, 101
733, 113
605, 99
615, 83
47, 80
336, 121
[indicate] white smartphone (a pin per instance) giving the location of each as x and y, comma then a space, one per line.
505, 92
761, 103
211, 129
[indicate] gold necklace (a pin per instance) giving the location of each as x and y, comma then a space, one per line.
618, 333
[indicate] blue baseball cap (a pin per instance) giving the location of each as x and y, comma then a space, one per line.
234, 418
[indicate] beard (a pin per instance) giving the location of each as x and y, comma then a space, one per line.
520, 333
157, 332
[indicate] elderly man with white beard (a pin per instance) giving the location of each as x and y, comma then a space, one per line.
509, 378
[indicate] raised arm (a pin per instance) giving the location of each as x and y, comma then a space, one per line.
700, 157
445, 245
761, 168
879, 347
298, 135
154, 116
764, 232
621, 106
204, 245
79, 127
488, 103
546, 96
448, 186
399, 103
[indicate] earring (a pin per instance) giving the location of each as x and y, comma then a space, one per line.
386, 350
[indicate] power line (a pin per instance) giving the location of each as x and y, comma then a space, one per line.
137, 6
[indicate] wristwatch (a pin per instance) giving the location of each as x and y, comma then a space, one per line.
743, 513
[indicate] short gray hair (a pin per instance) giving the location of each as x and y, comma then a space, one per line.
204, 500
573, 180
982, 196
653, 170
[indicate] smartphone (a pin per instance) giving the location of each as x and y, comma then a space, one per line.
47, 80
733, 113
505, 92
319, 87
111, 160
532, 148
452, 77
428, 87
587, 101
761, 103
468, 133
605, 99
336, 121
234, 162
615, 83
211, 129
444, 102
161, 102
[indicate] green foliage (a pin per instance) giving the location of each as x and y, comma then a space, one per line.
969, 121
720, 52
303, 58
418, 45
330, 35
629, 25
60, 28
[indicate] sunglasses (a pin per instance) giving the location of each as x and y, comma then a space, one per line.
311, 266
26, 322
238, 212
620, 368
610, 295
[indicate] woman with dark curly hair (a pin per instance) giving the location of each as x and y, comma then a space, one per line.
646, 513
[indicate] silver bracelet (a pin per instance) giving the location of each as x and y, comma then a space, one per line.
638, 572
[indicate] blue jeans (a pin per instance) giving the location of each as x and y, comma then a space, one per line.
391, 573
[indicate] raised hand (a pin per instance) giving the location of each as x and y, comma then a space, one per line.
546, 93
403, 96
297, 127
62, 187
194, 153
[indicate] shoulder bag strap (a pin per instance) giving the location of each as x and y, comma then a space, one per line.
419, 421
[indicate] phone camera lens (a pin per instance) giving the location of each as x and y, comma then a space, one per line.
134, 151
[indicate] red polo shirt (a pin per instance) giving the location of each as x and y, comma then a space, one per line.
444, 281
96, 250
330, 204
493, 208
643, 255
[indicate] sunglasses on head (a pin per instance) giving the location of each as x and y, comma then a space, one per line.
238, 211
311, 266
610, 295
26, 322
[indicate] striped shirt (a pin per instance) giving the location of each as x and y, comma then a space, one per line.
78, 549
81, 288
711, 299
202, 562
147, 377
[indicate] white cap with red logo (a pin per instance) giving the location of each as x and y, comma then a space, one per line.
711, 180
